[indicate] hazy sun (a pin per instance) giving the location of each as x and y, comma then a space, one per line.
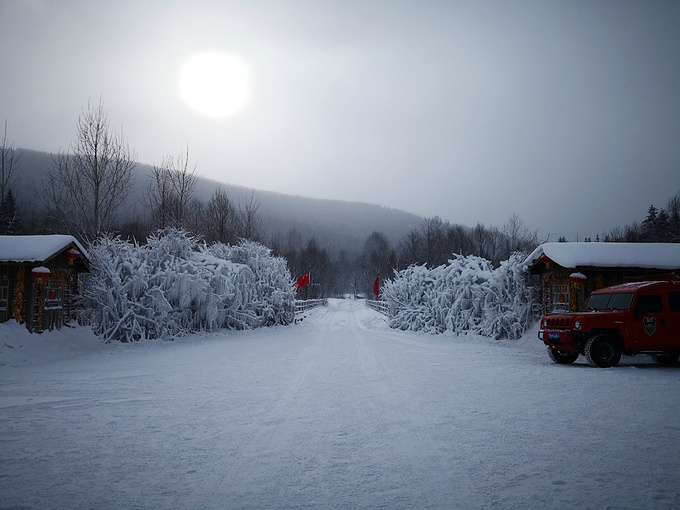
214, 84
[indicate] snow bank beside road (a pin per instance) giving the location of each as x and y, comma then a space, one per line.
19, 348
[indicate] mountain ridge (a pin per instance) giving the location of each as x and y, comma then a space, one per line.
337, 225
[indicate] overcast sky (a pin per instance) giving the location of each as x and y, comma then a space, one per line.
566, 113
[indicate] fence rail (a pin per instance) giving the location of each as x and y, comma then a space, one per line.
379, 306
308, 304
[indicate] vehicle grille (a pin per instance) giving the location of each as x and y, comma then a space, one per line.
559, 323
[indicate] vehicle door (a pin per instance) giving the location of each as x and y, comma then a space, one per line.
650, 331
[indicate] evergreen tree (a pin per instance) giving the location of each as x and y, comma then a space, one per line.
662, 231
649, 225
10, 222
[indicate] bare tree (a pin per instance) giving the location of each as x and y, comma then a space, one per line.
184, 183
9, 161
171, 190
86, 187
411, 249
196, 217
378, 257
434, 236
496, 248
160, 195
520, 238
9, 212
673, 211
251, 220
221, 218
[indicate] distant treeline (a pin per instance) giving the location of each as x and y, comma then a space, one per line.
86, 192
433, 243
660, 226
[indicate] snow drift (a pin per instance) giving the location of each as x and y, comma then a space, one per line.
173, 285
467, 295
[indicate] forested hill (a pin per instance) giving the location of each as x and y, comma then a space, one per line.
337, 225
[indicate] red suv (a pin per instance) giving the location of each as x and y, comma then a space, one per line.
632, 318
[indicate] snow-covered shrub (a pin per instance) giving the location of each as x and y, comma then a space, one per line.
271, 294
467, 295
116, 299
509, 301
173, 285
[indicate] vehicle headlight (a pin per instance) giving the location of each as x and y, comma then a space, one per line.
577, 325
545, 323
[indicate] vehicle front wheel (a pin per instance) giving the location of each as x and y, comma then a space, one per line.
562, 357
603, 351
666, 359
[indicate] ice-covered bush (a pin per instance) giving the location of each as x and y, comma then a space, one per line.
466, 295
509, 302
173, 285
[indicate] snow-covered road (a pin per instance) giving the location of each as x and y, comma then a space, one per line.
337, 411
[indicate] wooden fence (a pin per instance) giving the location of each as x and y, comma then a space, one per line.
379, 306
308, 304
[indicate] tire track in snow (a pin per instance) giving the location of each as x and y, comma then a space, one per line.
417, 416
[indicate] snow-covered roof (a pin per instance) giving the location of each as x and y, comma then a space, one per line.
36, 248
664, 256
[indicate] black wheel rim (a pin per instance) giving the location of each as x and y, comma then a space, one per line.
605, 352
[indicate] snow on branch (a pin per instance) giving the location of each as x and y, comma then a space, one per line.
465, 295
173, 286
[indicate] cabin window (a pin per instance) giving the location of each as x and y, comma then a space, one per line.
54, 291
4, 294
560, 297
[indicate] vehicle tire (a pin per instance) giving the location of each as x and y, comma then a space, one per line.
562, 357
603, 351
666, 359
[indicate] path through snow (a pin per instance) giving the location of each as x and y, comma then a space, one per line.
337, 411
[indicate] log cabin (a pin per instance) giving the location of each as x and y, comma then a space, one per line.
569, 272
39, 279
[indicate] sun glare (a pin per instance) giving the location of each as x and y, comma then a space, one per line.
214, 84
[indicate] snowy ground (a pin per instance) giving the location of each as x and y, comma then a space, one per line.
337, 411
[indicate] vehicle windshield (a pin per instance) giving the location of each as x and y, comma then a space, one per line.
613, 301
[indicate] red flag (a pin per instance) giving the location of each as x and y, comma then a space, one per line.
302, 281
376, 285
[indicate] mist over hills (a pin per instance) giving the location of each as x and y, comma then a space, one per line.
336, 225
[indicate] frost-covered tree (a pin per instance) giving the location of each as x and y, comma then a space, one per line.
465, 295
173, 285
